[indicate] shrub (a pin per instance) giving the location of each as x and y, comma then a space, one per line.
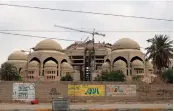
111, 76
67, 78
167, 75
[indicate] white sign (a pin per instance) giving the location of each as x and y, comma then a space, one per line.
23, 91
121, 90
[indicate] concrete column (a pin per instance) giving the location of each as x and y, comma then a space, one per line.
59, 70
41, 69
145, 72
129, 64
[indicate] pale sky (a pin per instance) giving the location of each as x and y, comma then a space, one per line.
14, 18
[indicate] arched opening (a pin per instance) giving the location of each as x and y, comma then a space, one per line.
64, 60
107, 60
123, 59
135, 58
120, 58
20, 70
48, 59
35, 59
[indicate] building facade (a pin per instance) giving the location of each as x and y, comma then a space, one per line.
46, 63
49, 62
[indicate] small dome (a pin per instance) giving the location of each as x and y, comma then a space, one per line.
106, 65
66, 66
50, 64
18, 55
120, 63
149, 64
137, 63
34, 64
125, 43
48, 44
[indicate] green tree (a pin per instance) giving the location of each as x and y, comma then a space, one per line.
168, 75
111, 76
160, 51
67, 78
9, 72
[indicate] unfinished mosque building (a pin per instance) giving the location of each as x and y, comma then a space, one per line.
49, 62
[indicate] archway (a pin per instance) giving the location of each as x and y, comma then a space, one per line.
136, 57
133, 59
64, 60
120, 58
20, 70
123, 59
48, 59
35, 59
107, 60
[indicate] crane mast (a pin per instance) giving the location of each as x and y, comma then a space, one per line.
89, 53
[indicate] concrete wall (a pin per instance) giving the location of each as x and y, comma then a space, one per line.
46, 90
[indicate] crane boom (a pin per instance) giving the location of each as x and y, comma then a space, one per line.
85, 39
93, 33
89, 53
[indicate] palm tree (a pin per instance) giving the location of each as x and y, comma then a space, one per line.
160, 51
8, 72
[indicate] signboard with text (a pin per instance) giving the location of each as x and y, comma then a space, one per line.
121, 90
86, 90
23, 91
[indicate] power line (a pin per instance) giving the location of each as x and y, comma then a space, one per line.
34, 36
76, 31
96, 13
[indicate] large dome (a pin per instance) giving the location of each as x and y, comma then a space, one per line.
18, 55
125, 43
48, 44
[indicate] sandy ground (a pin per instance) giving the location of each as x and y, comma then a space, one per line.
5, 106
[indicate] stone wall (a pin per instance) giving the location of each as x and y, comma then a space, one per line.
45, 91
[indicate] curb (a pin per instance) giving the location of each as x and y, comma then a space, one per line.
99, 109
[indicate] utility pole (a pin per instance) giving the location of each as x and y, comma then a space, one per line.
89, 53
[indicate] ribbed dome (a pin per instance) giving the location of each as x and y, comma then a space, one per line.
18, 55
125, 43
48, 44
120, 63
50, 64
66, 66
34, 64
106, 65
149, 64
137, 63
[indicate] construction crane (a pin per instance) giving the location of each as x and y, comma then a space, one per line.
85, 40
89, 64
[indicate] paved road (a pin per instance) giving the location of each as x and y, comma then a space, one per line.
4, 106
